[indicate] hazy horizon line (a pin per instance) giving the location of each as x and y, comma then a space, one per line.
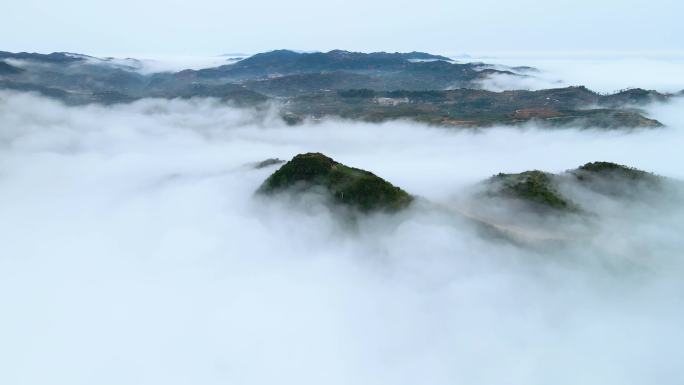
464, 53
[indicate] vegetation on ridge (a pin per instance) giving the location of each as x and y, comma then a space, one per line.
612, 170
534, 187
373, 87
346, 185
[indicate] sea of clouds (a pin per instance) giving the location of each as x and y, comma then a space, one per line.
135, 252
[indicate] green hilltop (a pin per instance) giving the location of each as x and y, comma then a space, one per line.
348, 186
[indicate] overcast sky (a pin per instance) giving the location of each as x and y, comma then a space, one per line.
201, 27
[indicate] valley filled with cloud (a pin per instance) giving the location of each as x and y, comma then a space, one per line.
136, 251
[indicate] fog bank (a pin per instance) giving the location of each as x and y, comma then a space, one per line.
605, 72
134, 251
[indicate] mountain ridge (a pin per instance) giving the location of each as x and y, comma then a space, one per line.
377, 86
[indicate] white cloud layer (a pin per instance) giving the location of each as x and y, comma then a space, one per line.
606, 72
134, 252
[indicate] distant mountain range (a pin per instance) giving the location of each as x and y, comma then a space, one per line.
368, 86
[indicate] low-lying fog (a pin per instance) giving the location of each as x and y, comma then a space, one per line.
134, 252
601, 72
